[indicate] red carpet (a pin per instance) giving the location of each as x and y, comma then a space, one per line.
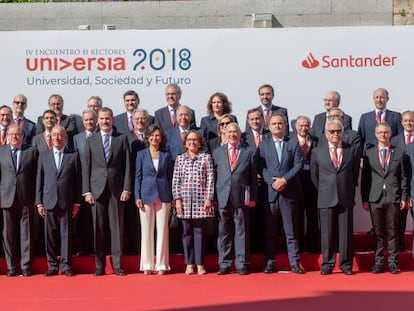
176, 291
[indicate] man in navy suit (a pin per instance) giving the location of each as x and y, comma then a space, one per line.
107, 186
166, 117
385, 190
369, 120
236, 190
124, 122
266, 95
84, 221
331, 100
308, 239
58, 197
28, 126
279, 162
18, 162
334, 171
401, 141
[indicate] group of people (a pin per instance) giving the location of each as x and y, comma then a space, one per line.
164, 181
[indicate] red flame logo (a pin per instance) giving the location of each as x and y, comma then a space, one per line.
310, 62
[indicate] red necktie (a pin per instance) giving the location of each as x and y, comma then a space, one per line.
257, 139
305, 149
233, 158
408, 139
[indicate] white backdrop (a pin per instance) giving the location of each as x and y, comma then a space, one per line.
79, 64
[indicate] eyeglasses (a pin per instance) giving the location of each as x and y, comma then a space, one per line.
19, 102
334, 131
224, 123
329, 100
334, 116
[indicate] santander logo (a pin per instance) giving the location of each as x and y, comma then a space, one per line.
310, 62
349, 61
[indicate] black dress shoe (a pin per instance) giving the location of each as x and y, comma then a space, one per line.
223, 271
26, 272
68, 273
268, 270
51, 272
243, 271
348, 271
297, 270
394, 269
119, 272
11, 273
326, 271
99, 272
377, 269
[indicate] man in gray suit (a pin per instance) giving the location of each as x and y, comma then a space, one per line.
384, 191
17, 190
84, 222
236, 189
107, 186
334, 172
58, 197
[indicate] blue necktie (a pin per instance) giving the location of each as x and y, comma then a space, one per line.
130, 123
14, 158
279, 150
106, 146
58, 159
379, 116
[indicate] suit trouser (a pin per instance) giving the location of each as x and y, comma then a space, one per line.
17, 222
156, 214
337, 222
284, 207
233, 234
84, 226
58, 229
194, 240
385, 222
107, 212
132, 225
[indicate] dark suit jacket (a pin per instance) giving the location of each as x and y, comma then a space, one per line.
121, 122
68, 122
306, 160
174, 143
269, 167
395, 178
116, 172
410, 153
149, 183
29, 131
58, 187
162, 118
351, 137
335, 186
135, 145
399, 141
79, 143
274, 109
318, 124
39, 142
367, 124
248, 138
231, 185
20, 184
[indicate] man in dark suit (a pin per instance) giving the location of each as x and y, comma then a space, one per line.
401, 141
56, 103
331, 100
83, 222
334, 171
279, 162
166, 117
252, 137
58, 197
5, 121
28, 126
124, 122
18, 164
43, 141
308, 239
369, 120
236, 190
266, 95
137, 142
107, 186
385, 190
